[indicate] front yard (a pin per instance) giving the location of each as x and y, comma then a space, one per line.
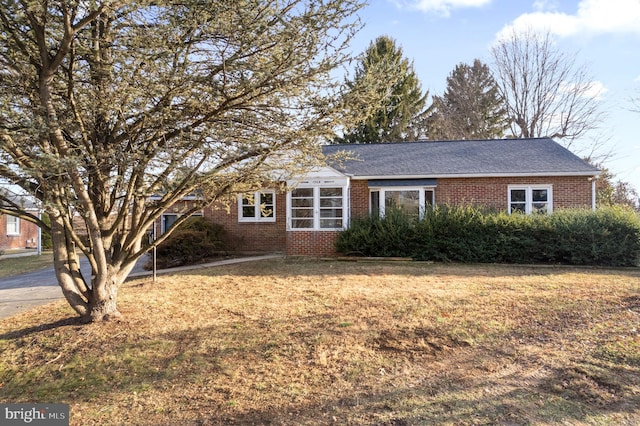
10, 266
302, 342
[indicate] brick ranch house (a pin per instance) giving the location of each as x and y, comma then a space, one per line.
16, 233
524, 175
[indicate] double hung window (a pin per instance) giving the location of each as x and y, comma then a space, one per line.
257, 207
13, 225
530, 199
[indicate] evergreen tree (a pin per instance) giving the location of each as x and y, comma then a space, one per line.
397, 102
470, 108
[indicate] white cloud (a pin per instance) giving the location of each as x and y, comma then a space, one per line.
542, 5
591, 17
596, 90
593, 89
442, 7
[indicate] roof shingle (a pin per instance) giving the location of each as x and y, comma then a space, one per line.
429, 159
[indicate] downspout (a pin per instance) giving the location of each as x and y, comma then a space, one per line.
347, 223
39, 243
593, 193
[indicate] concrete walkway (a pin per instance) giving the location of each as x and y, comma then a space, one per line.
18, 253
25, 291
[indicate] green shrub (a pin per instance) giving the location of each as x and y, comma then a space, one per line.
47, 241
193, 241
388, 237
608, 236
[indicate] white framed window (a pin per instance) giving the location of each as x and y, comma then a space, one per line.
257, 207
317, 208
411, 200
528, 199
13, 225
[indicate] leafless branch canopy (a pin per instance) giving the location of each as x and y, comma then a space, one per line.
546, 92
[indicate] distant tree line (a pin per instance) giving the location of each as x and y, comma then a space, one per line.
532, 89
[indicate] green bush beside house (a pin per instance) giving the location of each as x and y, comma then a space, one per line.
194, 241
606, 237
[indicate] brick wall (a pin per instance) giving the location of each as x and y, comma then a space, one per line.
568, 191
311, 243
252, 236
28, 237
359, 198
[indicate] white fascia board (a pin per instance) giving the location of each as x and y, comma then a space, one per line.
477, 175
185, 198
318, 175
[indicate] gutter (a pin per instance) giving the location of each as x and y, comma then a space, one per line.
474, 175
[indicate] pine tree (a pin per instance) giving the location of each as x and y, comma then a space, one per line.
396, 100
470, 108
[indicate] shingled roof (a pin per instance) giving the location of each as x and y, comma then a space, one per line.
477, 158
26, 202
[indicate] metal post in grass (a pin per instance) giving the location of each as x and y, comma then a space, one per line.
152, 241
154, 251
39, 243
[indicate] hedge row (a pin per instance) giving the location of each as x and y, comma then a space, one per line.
606, 237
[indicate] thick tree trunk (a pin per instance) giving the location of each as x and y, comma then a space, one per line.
96, 300
67, 269
103, 305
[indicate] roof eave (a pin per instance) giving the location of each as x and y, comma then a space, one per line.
475, 175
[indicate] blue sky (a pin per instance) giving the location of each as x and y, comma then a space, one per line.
605, 34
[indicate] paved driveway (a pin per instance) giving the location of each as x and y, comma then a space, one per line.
21, 292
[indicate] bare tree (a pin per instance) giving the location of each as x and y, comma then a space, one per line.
611, 191
547, 94
104, 104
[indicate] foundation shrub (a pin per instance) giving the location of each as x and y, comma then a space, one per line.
195, 240
606, 237
609, 236
390, 236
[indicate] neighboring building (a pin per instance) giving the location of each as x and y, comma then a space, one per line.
16, 233
524, 175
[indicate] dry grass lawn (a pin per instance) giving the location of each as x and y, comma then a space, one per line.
19, 265
317, 343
